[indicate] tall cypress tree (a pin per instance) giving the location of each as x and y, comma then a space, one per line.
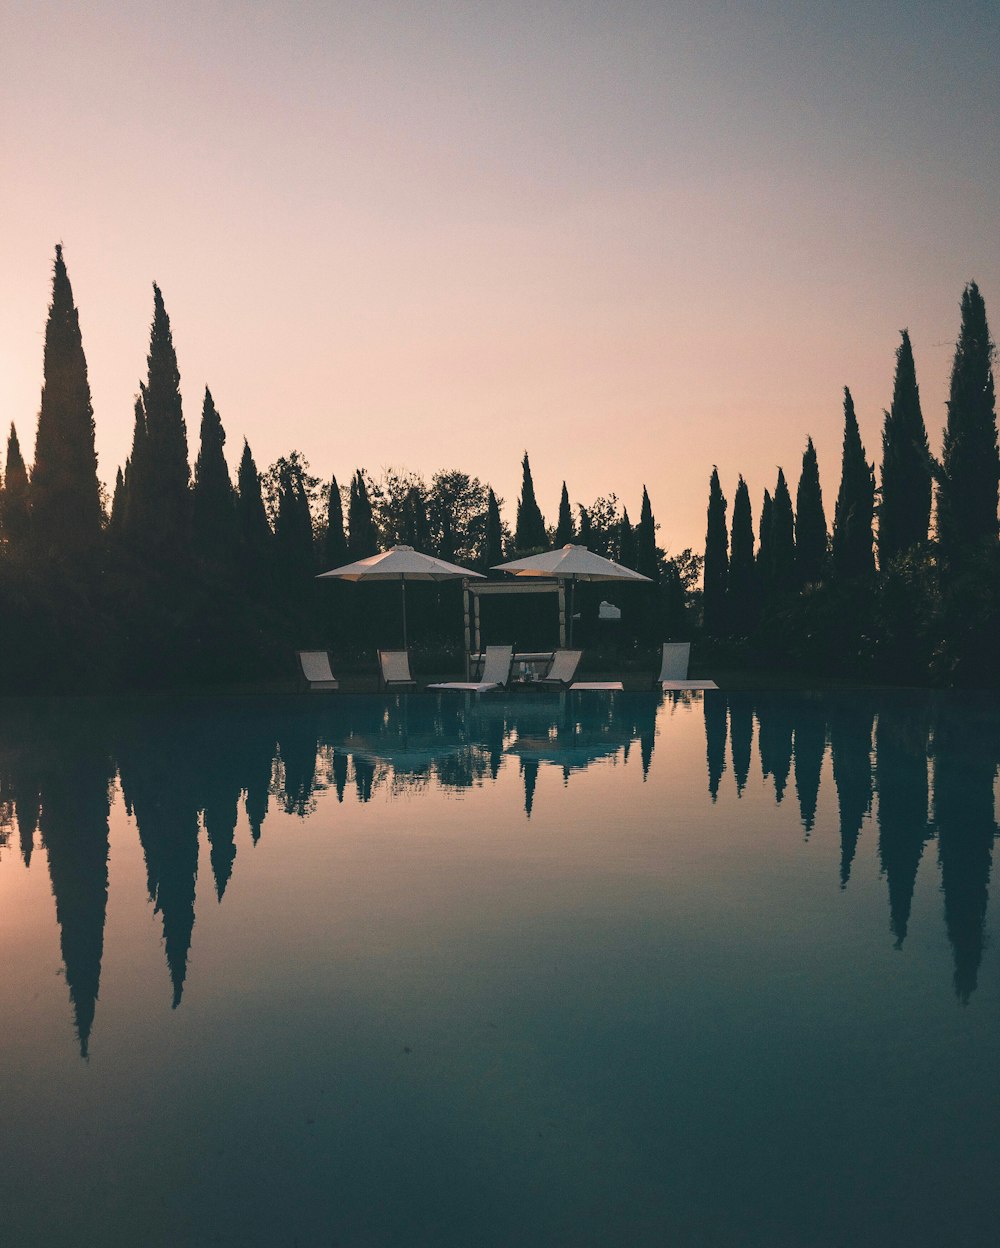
335, 539
716, 571
585, 534
493, 541
565, 529
16, 515
362, 538
135, 496
416, 523
627, 550
904, 512
853, 541
293, 531
251, 519
810, 521
646, 560
970, 469
529, 533
742, 595
765, 562
116, 519
65, 493
213, 505
162, 475
783, 573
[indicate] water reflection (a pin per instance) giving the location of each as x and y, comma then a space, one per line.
925, 767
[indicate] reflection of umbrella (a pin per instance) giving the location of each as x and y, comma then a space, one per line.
571, 563
400, 563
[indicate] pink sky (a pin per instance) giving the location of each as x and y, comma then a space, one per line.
636, 240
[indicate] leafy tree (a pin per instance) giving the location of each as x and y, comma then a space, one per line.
716, 559
810, 521
493, 537
970, 469
603, 526
565, 529
647, 557
853, 541
904, 512
392, 498
457, 505
16, 514
335, 539
213, 504
67, 515
765, 561
362, 538
627, 552
416, 525
783, 573
742, 595
529, 534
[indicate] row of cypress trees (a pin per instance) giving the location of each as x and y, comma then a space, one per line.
925, 568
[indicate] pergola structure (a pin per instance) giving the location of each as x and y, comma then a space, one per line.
472, 591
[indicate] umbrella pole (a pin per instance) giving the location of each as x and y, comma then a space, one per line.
572, 603
402, 589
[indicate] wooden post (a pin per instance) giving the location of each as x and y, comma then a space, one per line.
562, 615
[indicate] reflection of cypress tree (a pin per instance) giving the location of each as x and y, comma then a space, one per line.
715, 740
901, 775
810, 749
529, 774
74, 827
27, 809
339, 774
740, 738
964, 771
298, 747
774, 739
364, 779
851, 747
644, 727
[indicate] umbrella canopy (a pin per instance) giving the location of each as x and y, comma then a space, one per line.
571, 563
400, 563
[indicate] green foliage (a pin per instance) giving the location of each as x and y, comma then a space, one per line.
67, 516
457, 510
853, 540
716, 560
529, 533
811, 538
904, 511
970, 469
565, 529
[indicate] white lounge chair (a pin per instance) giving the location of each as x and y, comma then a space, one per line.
592, 686
496, 673
674, 668
395, 668
563, 668
316, 671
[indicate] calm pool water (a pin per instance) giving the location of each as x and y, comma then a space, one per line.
578, 970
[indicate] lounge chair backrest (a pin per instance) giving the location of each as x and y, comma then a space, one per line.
496, 665
395, 666
676, 657
315, 665
564, 665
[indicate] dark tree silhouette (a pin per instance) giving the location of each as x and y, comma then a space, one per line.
251, 518
627, 551
810, 521
784, 577
335, 539
15, 516
416, 525
765, 561
213, 504
529, 533
851, 747
853, 557
716, 570
565, 529
293, 532
65, 492
493, 541
970, 469
362, 538
647, 561
740, 739
901, 776
741, 604
904, 511
715, 741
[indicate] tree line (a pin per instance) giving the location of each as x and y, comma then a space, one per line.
905, 585
185, 575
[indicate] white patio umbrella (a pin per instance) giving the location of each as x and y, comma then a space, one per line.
571, 563
400, 563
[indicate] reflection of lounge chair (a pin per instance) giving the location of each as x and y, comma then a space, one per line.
674, 668
562, 669
496, 673
395, 668
316, 671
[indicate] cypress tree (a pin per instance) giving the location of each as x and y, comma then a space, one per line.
213, 506
904, 512
970, 469
293, 532
853, 540
765, 562
135, 497
416, 524
565, 529
65, 493
716, 570
741, 598
646, 560
335, 540
362, 539
161, 480
783, 573
810, 521
627, 550
493, 542
16, 496
529, 533
116, 518
585, 533
251, 517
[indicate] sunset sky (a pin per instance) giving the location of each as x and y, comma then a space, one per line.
636, 239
